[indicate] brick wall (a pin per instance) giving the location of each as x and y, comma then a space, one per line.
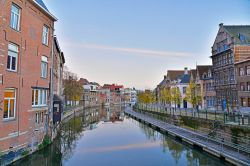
29, 41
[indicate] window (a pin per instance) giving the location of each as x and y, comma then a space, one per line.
242, 38
44, 67
248, 86
9, 103
184, 90
248, 70
39, 97
39, 117
225, 46
242, 86
12, 57
243, 102
45, 37
15, 17
242, 72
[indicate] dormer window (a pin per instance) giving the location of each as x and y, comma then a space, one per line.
204, 75
209, 74
242, 38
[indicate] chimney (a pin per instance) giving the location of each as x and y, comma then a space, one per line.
185, 70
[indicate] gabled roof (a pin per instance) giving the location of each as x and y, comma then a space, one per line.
185, 79
203, 69
174, 74
94, 83
40, 2
112, 87
83, 81
239, 30
59, 49
163, 83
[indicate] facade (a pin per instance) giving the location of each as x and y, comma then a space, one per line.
58, 97
182, 83
130, 96
105, 97
243, 83
175, 78
231, 46
116, 93
91, 95
205, 86
208, 92
167, 82
26, 44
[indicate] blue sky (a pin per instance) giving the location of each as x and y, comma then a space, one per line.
135, 42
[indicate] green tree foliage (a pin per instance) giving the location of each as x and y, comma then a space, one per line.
176, 96
166, 96
146, 97
193, 95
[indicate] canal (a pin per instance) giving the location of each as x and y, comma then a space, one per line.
106, 136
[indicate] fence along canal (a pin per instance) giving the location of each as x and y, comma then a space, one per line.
236, 154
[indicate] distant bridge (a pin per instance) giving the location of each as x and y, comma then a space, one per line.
232, 153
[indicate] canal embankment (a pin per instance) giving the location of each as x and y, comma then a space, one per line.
233, 153
211, 123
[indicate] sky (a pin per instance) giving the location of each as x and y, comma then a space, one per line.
135, 42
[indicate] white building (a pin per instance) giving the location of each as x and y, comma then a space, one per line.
182, 83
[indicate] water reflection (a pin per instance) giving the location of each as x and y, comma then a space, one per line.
107, 137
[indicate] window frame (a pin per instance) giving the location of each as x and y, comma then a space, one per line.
40, 98
241, 71
15, 52
18, 28
44, 61
247, 70
45, 41
10, 98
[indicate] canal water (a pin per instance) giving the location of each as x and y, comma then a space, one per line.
97, 137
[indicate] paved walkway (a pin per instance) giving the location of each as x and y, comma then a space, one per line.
231, 153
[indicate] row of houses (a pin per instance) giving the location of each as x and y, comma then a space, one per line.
107, 95
224, 85
31, 71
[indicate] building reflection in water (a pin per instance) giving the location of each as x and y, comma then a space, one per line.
72, 131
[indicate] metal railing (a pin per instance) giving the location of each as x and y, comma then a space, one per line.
238, 152
225, 117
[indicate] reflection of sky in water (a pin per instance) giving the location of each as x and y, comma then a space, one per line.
116, 143
131, 143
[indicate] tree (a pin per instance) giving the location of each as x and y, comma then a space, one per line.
166, 96
73, 89
175, 96
146, 97
193, 95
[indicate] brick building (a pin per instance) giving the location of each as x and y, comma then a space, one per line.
243, 83
116, 94
91, 94
26, 39
231, 46
205, 85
